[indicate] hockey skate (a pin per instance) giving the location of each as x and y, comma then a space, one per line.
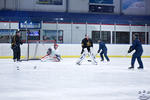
14, 60
131, 67
102, 60
93, 58
78, 63
95, 63
140, 68
81, 58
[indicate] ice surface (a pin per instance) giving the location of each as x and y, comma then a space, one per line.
36, 80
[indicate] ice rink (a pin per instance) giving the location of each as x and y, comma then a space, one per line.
36, 80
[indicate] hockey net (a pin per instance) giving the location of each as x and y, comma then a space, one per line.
36, 49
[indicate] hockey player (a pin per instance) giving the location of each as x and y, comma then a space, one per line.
137, 46
103, 49
15, 45
52, 54
87, 43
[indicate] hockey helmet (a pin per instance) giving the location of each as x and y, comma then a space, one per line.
55, 45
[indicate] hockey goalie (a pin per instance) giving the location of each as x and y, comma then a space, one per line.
87, 44
52, 54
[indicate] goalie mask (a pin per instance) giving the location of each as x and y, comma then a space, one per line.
55, 46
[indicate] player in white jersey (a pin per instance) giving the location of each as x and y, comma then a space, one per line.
52, 54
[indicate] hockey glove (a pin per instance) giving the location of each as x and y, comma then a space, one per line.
82, 51
98, 51
130, 50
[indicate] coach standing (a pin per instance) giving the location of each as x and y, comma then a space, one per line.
15, 45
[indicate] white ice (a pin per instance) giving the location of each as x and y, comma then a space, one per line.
36, 80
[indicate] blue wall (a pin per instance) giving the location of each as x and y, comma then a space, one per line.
22, 16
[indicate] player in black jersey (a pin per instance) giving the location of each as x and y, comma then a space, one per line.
87, 43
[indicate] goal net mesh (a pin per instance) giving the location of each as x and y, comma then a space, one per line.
36, 49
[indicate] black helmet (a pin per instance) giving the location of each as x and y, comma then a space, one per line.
136, 35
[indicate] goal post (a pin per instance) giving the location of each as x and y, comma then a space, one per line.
37, 49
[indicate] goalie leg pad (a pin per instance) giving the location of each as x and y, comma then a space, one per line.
81, 58
58, 57
93, 58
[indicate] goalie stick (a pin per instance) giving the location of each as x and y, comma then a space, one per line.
47, 57
44, 56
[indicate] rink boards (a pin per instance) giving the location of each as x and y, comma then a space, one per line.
70, 50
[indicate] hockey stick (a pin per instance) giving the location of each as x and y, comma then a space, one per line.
47, 57
44, 56
43, 59
126, 55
